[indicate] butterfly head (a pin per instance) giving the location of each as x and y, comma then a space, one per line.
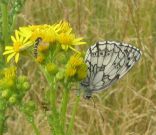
87, 94
87, 97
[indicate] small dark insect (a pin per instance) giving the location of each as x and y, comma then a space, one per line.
37, 42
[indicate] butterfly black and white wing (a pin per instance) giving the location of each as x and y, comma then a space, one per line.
107, 62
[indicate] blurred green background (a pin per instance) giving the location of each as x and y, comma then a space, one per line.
129, 106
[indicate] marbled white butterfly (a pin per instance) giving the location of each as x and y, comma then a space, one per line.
107, 62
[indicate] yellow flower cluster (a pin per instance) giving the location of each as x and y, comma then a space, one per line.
59, 34
9, 72
76, 67
7, 76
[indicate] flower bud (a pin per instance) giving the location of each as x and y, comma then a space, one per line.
61, 58
22, 79
52, 68
19, 86
13, 99
5, 93
26, 86
60, 75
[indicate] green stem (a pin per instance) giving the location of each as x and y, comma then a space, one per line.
13, 23
71, 123
64, 103
2, 121
5, 23
35, 128
54, 117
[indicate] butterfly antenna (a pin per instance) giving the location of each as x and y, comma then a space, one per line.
97, 109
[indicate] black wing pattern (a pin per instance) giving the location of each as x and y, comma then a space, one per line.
107, 62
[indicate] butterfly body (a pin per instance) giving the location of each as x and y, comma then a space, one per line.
107, 62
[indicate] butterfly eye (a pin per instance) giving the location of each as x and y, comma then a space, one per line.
128, 58
114, 63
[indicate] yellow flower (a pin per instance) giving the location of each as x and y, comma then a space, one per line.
76, 60
40, 58
64, 27
7, 82
25, 32
48, 33
76, 67
70, 71
43, 47
7, 77
61, 32
67, 40
82, 72
32, 32
20, 43
9, 72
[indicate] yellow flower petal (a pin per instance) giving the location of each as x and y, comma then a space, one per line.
8, 47
7, 52
16, 57
26, 39
79, 43
74, 49
10, 56
78, 39
17, 35
64, 47
13, 39
21, 39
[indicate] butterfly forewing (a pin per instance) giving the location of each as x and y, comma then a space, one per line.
107, 62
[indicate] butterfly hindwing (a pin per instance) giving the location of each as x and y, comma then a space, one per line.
107, 62
132, 56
